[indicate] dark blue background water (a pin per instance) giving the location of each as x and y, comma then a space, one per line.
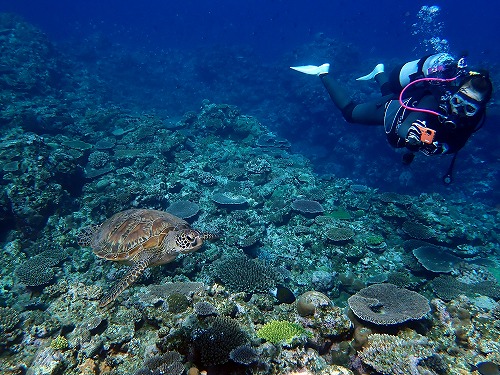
275, 30
270, 26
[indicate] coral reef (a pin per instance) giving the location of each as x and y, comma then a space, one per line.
244, 355
387, 304
393, 355
215, 344
77, 148
183, 209
59, 343
241, 274
170, 363
307, 207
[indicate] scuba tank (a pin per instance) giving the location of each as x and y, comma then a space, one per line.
439, 65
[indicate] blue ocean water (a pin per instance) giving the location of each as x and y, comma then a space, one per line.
271, 27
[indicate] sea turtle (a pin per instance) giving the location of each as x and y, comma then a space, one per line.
141, 238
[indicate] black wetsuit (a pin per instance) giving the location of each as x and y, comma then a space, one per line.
387, 111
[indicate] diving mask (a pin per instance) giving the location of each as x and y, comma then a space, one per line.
464, 104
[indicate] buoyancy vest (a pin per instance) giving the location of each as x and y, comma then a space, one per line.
394, 116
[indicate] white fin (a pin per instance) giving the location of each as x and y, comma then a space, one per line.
312, 69
378, 69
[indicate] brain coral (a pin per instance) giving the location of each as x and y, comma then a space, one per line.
387, 304
241, 274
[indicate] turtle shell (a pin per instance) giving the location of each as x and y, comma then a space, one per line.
127, 233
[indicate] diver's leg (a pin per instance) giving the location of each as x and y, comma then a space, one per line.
383, 81
340, 97
381, 77
369, 113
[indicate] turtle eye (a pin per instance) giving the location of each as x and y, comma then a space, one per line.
192, 237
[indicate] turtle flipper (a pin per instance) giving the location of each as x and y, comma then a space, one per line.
130, 277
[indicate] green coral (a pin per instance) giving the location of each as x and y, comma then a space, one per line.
495, 272
374, 240
340, 214
277, 331
59, 343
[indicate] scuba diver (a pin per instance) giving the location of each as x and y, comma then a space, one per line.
432, 105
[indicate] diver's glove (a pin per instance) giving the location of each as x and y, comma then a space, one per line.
312, 69
413, 136
421, 138
435, 148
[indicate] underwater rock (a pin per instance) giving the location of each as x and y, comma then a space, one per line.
308, 302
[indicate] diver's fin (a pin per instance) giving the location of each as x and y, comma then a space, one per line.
378, 69
312, 69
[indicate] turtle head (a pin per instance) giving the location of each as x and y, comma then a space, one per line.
185, 241
188, 240
86, 235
